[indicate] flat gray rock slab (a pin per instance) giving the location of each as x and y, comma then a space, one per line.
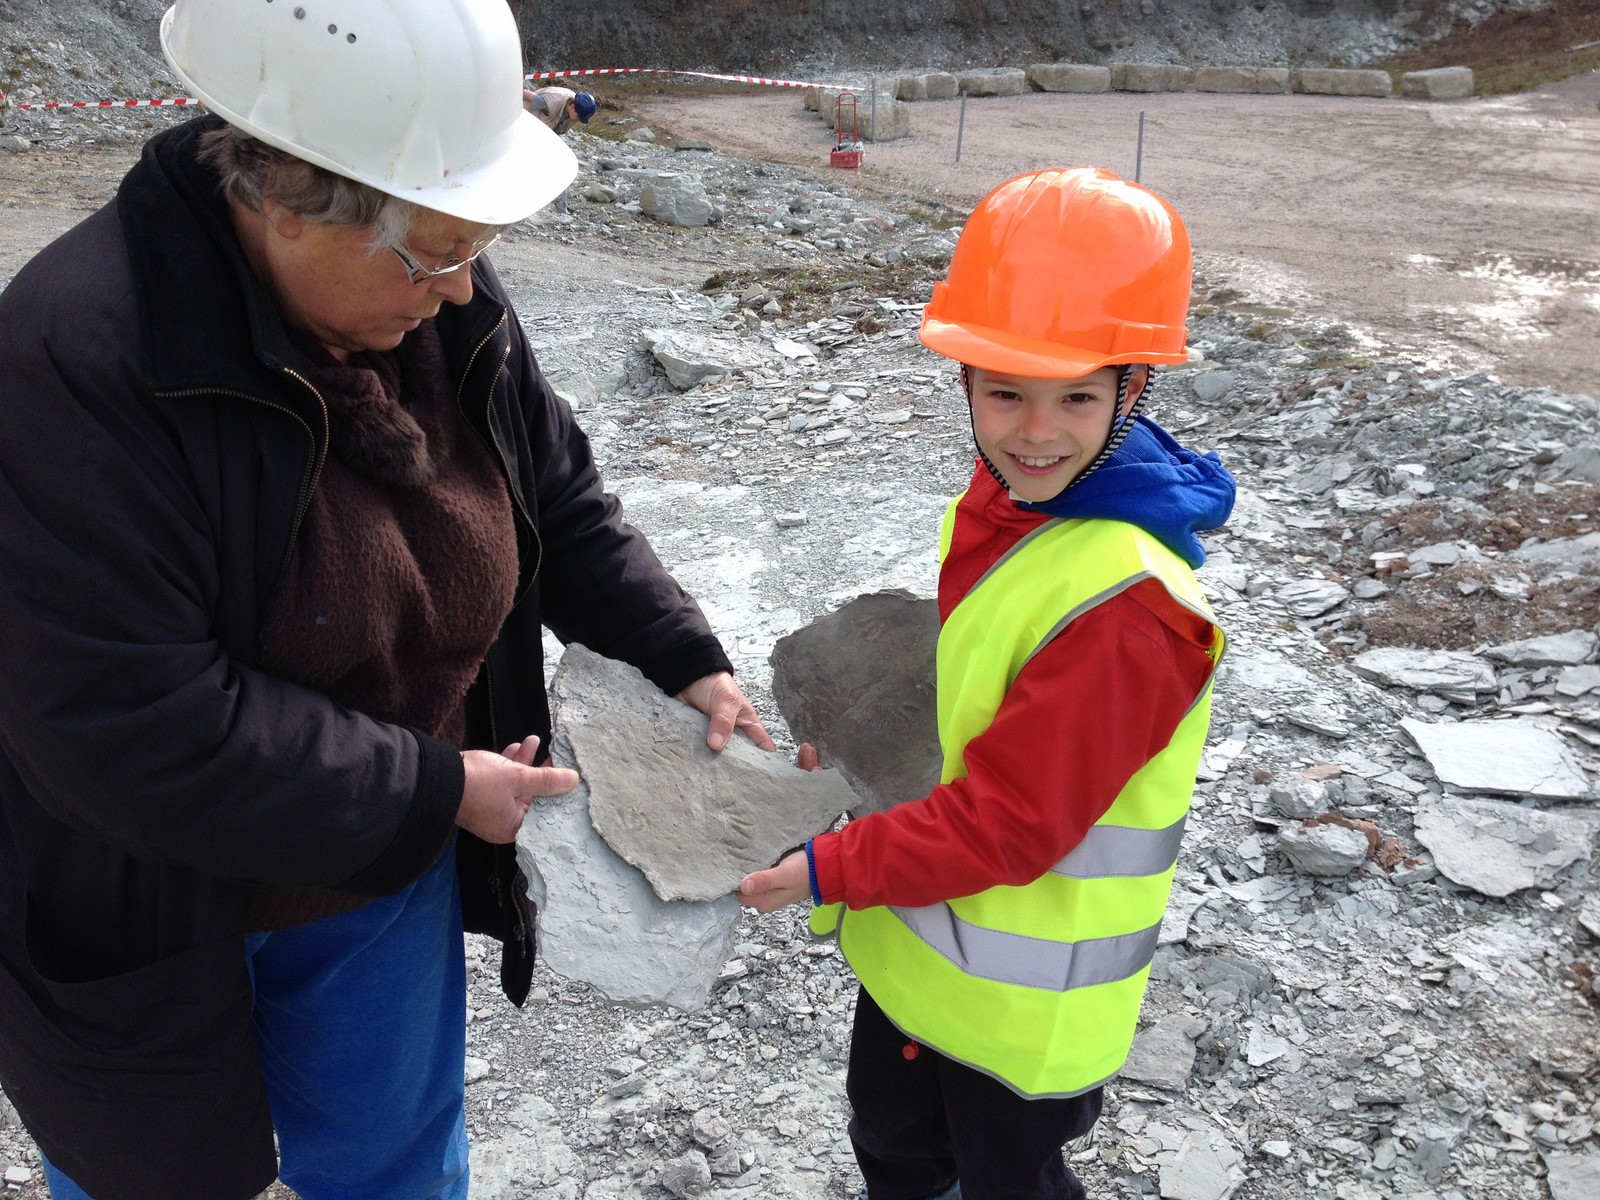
694, 821
1573, 1176
1498, 848
1507, 758
858, 684
1426, 670
1163, 1055
1553, 650
601, 923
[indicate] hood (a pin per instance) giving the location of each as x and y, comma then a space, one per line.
1151, 481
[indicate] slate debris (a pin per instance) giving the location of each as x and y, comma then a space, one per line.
1414, 1027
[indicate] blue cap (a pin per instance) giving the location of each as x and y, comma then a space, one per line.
585, 105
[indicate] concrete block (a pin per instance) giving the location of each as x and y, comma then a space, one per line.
1150, 77
911, 88
884, 120
1225, 79
1069, 77
811, 99
941, 85
1272, 81
997, 81
1441, 83
1320, 81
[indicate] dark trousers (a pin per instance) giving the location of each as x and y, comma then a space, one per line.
922, 1121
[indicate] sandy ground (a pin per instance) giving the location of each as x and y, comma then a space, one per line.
1466, 233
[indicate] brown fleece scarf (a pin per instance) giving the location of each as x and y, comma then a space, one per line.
405, 564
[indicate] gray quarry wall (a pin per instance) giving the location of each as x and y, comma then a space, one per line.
788, 35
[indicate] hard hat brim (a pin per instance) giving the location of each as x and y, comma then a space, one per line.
998, 350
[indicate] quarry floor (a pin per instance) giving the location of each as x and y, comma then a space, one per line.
1465, 232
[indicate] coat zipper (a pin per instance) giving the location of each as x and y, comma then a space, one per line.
313, 471
499, 451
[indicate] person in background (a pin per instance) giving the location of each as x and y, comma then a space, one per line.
559, 107
1003, 926
285, 504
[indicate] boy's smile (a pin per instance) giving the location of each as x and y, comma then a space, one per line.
1039, 433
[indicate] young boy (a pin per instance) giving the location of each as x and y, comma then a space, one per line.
1003, 926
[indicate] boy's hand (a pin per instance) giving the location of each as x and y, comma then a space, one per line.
787, 883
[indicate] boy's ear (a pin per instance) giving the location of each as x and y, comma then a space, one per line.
1138, 379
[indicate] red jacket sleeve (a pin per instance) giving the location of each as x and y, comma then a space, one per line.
1090, 709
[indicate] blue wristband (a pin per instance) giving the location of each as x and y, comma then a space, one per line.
811, 869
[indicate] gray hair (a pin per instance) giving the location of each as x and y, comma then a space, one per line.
249, 170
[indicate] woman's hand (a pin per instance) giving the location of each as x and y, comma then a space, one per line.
719, 697
500, 787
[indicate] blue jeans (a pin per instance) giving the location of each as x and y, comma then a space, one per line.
361, 1023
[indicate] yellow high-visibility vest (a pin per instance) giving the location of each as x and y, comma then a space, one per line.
1039, 985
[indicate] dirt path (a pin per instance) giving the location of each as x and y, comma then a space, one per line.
1467, 233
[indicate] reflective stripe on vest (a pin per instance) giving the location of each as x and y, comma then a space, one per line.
1040, 985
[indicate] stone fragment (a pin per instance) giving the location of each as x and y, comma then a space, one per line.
1325, 850
1498, 848
710, 1129
1312, 597
1205, 1166
1438, 83
1211, 386
1263, 1047
19, 1175
695, 821
1163, 1055
1553, 650
687, 1175
1069, 77
859, 685
1500, 757
1328, 81
688, 359
1578, 681
995, 81
1573, 1176
1299, 797
674, 198
15, 145
1318, 719
1426, 670
1588, 917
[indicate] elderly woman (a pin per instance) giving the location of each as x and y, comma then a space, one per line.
284, 502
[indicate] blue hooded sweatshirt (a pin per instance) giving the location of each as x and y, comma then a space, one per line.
1152, 482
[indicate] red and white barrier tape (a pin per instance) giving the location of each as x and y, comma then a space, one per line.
181, 101
168, 102
760, 79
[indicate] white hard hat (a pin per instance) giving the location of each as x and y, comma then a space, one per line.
421, 99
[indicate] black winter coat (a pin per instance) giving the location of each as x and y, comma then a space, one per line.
158, 448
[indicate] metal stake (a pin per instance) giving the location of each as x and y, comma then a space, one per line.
1138, 162
961, 125
872, 111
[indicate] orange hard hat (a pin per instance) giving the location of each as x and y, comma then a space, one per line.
1061, 272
